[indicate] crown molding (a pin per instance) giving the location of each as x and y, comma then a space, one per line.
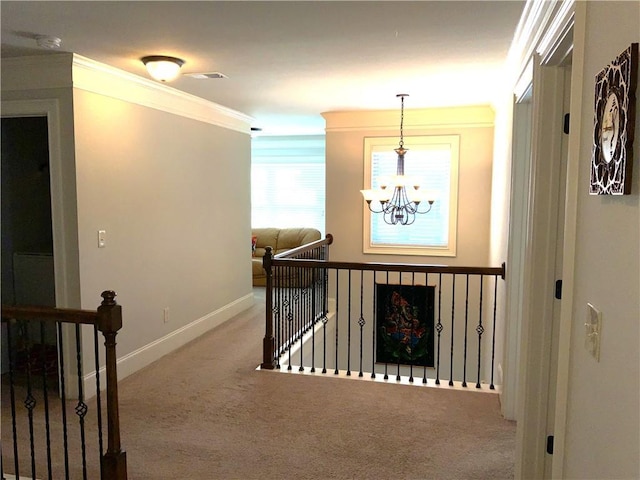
544, 28
69, 70
414, 119
103, 79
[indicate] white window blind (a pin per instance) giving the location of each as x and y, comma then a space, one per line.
288, 182
433, 160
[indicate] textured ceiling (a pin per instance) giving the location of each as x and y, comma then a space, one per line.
287, 62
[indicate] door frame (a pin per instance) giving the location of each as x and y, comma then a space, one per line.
49, 108
547, 45
63, 217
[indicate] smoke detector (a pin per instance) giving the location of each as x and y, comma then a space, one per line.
203, 76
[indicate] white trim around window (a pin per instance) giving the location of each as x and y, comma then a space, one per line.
434, 159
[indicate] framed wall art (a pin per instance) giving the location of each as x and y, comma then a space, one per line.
405, 324
614, 124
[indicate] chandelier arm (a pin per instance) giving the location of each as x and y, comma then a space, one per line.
372, 210
430, 203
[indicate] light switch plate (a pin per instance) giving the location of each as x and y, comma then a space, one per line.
102, 238
593, 331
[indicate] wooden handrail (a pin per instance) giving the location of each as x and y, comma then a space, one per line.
48, 314
328, 240
388, 267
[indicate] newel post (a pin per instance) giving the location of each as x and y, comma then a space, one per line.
268, 344
113, 465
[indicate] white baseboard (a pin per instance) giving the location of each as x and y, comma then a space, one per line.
157, 349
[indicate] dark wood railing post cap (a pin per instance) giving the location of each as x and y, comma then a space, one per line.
329, 238
109, 313
266, 259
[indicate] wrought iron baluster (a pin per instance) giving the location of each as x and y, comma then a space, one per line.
325, 320
424, 367
361, 320
315, 311
480, 331
336, 371
45, 398
386, 372
413, 332
439, 327
290, 319
98, 388
29, 401
277, 312
373, 328
398, 363
63, 400
493, 341
349, 326
453, 316
81, 407
12, 366
466, 325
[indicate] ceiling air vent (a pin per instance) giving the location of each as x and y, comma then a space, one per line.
204, 76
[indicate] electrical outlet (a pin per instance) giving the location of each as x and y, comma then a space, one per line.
166, 314
593, 331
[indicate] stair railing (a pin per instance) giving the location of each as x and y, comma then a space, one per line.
382, 317
39, 378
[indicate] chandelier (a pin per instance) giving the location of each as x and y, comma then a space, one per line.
399, 196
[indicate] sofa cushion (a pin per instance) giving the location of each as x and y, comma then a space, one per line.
294, 237
281, 240
267, 237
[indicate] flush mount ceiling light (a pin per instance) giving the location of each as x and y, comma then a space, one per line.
399, 197
162, 67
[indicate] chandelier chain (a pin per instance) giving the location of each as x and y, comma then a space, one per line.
401, 121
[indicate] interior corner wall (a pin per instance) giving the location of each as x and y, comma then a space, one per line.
173, 195
603, 407
499, 230
346, 207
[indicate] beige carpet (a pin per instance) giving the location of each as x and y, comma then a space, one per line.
204, 412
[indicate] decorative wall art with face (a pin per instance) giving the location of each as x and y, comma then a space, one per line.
614, 121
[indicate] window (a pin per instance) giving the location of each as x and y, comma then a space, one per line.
288, 182
434, 161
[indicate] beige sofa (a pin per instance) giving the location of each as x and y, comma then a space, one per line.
280, 240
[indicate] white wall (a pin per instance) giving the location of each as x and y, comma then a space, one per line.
151, 166
156, 182
603, 404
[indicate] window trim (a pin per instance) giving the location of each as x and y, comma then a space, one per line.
371, 143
